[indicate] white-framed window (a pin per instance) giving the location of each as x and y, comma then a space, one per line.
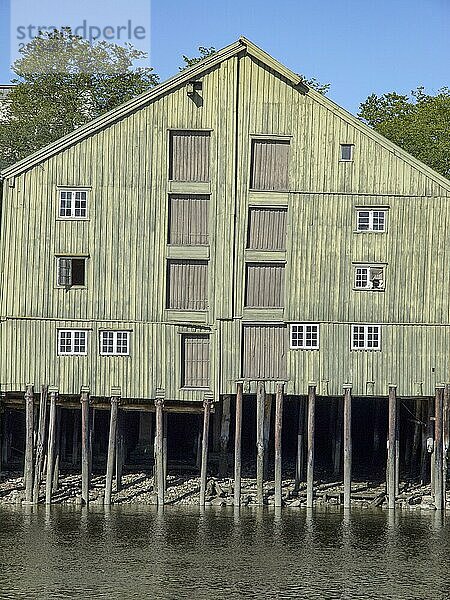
369, 278
115, 343
70, 271
73, 204
304, 336
368, 219
366, 337
72, 341
346, 152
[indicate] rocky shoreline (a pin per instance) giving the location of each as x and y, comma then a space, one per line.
137, 488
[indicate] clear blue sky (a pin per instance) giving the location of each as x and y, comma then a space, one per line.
359, 46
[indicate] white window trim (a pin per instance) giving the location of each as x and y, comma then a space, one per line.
365, 347
371, 210
73, 217
304, 346
368, 287
352, 152
114, 352
72, 353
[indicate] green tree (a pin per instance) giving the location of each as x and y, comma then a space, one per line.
203, 53
62, 82
419, 123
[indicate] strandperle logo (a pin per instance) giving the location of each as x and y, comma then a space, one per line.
122, 33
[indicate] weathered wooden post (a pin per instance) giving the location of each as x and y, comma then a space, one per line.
58, 445
347, 444
203, 471
337, 459
84, 400
75, 437
392, 434
28, 464
165, 417
159, 451
299, 462
224, 436
119, 450
85, 444
237, 446
310, 455
439, 489
266, 435
112, 443
397, 451
260, 399
278, 429
50, 446
446, 434
39, 458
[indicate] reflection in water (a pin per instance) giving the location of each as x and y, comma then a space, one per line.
143, 552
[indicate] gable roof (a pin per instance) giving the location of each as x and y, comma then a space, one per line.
240, 46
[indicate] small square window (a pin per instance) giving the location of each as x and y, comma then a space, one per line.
366, 337
371, 220
72, 341
369, 278
114, 343
346, 152
305, 336
71, 271
73, 204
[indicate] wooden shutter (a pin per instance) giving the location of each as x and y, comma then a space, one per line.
270, 165
267, 228
196, 361
264, 351
187, 284
188, 221
264, 285
64, 271
189, 155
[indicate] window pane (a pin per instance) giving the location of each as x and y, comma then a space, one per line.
363, 220
122, 342
361, 277
78, 271
346, 151
65, 206
107, 342
64, 271
378, 220
80, 204
79, 343
65, 342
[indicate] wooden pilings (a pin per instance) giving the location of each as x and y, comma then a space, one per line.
112, 442
28, 463
40, 439
278, 429
85, 476
205, 438
260, 401
439, 484
238, 446
224, 436
159, 451
347, 444
392, 445
310, 452
50, 448
300, 459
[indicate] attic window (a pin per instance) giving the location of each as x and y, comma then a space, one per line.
371, 220
346, 154
369, 278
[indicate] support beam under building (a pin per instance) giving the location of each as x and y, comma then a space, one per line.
51, 447
205, 438
278, 432
85, 477
439, 484
260, 402
310, 454
392, 443
238, 446
28, 462
347, 445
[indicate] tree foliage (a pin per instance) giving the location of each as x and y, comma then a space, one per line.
62, 82
419, 123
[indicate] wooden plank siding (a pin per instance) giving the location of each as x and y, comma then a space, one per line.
169, 188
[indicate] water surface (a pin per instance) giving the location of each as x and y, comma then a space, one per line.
140, 552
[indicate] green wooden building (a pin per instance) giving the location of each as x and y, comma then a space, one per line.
230, 224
